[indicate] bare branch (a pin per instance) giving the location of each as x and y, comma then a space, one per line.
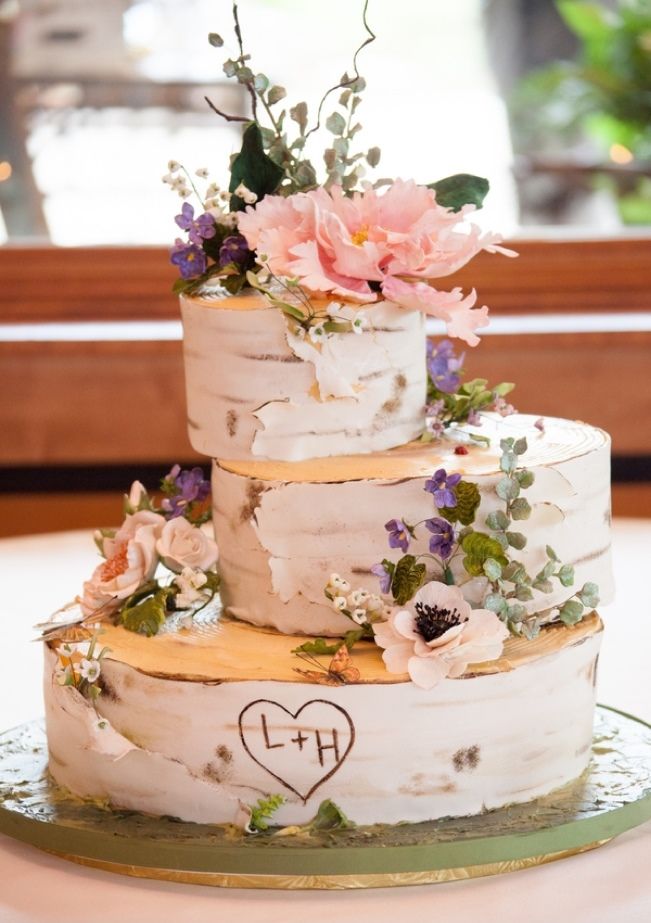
229, 118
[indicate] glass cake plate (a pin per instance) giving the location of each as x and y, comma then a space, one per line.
613, 795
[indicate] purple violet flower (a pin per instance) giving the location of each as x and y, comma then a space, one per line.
199, 229
443, 366
234, 250
190, 259
398, 534
190, 486
441, 485
380, 571
443, 537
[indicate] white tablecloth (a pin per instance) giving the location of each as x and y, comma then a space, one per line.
609, 885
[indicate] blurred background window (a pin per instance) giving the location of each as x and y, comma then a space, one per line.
97, 95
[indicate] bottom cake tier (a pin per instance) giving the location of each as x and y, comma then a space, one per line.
200, 723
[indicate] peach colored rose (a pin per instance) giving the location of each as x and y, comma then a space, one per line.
339, 244
129, 563
183, 545
439, 636
108, 544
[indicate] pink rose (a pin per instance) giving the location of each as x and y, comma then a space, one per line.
129, 563
439, 637
109, 544
336, 243
183, 545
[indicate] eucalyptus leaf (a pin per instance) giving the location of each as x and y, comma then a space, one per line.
496, 603
492, 569
525, 478
373, 156
520, 446
589, 595
523, 593
545, 586
508, 462
520, 509
516, 540
275, 94
497, 521
336, 123
299, 114
571, 612
507, 489
215, 40
566, 575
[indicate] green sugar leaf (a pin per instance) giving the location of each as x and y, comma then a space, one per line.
520, 509
215, 40
336, 123
508, 462
495, 603
329, 816
566, 575
492, 569
275, 94
468, 501
516, 540
263, 811
373, 156
254, 168
544, 585
507, 489
146, 617
571, 612
498, 521
478, 548
589, 595
523, 593
408, 577
525, 478
460, 189
551, 554
320, 647
520, 446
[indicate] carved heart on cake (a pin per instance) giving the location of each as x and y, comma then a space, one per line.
300, 749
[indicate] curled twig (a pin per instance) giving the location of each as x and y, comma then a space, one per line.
238, 35
346, 83
224, 115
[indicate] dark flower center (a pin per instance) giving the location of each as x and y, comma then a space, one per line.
432, 622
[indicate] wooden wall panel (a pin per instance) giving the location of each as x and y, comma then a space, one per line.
110, 283
105, 402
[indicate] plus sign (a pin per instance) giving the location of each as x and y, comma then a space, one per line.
300, 739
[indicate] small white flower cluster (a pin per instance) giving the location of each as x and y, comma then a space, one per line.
351, 318
176, 180
214, 198
189, 582
76, 664
362, 607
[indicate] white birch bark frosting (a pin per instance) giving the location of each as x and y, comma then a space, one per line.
282, 529
256, 390
185, 737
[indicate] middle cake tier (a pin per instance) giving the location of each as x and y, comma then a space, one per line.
283, 528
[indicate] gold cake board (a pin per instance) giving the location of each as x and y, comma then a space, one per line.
613, 795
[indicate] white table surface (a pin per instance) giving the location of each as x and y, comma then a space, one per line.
609, 885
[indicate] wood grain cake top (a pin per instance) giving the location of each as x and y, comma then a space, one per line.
231, 651
561, 441
250, 300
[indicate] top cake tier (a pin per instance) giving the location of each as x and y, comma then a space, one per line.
258, 390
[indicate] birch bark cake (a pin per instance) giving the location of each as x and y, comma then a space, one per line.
257, 389
200, 723
408, 569
283, 528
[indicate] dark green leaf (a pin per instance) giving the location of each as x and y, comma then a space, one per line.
408, 577
254, 168
461, 189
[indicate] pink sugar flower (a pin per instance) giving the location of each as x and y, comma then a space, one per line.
398, 240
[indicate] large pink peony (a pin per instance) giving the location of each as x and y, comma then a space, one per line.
340, 244
439, 636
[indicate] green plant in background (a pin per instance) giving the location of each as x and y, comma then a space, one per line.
605, 95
